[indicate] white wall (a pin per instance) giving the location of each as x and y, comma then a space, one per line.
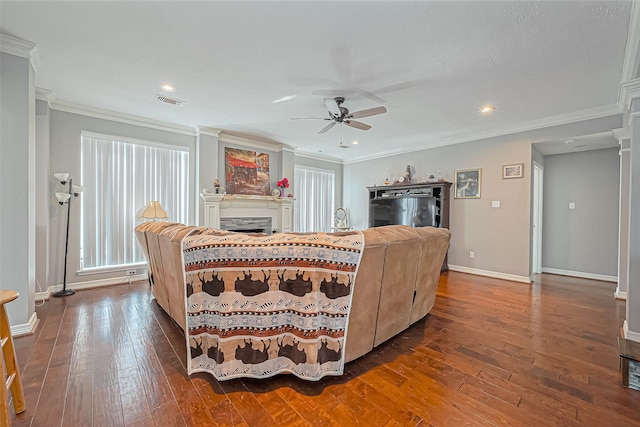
583, 240
500, 237
207, 149
65, 145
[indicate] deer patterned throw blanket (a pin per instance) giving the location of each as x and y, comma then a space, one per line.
258, 306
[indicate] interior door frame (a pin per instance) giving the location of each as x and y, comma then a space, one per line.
536, 224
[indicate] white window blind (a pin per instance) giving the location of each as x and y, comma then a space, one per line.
120, 176
315, 190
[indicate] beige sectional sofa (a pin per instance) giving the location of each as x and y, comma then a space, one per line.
395, 285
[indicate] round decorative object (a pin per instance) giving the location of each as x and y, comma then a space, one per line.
275, 192
341, 214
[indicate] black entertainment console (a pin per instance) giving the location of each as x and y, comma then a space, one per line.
415, 205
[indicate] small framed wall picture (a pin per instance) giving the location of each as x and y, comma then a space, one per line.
467, 183
513, 171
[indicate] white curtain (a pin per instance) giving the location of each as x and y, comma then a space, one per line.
314, 191
120, 176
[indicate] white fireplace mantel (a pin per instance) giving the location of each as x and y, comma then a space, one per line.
218, 206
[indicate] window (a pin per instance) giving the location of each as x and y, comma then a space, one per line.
120, 176
315, 189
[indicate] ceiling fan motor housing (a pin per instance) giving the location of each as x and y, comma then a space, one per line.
344, 112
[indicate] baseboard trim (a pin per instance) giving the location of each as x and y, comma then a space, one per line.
25, 328
486, 273
580, 274
633, 336
121, 280
620, 295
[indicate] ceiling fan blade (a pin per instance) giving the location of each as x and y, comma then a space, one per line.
357, 125
311, 118
327, 127
368, 112
333, 107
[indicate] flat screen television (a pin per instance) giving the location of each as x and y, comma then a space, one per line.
411, 210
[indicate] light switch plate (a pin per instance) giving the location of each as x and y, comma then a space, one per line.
495, 204
572, 205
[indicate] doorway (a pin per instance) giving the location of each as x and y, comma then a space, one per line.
536, 238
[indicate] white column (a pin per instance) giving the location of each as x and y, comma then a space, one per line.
624, 139
17, 180
632, 324
207, 165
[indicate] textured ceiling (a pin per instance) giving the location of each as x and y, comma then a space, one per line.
432, 64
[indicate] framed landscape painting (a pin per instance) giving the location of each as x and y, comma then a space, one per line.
467, 183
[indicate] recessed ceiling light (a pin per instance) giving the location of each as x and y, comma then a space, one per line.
355, 142
167, 87
487, 109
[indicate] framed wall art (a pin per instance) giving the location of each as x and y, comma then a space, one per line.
467, 183
513, 171
246, 172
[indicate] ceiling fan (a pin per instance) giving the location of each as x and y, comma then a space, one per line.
340, 114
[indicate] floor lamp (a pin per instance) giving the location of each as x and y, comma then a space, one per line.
152, 210
74, 190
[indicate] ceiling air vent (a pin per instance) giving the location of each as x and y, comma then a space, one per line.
168, 100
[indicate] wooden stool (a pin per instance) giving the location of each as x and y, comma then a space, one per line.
9, 363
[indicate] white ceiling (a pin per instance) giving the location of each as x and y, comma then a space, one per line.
432, 64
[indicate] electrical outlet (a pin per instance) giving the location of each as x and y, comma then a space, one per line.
131, 272
472, 255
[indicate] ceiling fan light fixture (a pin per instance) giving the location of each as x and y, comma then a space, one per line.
487, 109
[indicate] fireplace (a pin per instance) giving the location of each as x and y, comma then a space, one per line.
249, 224
248, 213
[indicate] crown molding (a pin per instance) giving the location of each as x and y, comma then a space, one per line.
289, 148
562, 119
319, 157
622, 133
15, 46
99, 113
204, 130
629, 90
254, 143
43, 94
21, 48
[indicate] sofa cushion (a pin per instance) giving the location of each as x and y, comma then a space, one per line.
366, 296
398, 279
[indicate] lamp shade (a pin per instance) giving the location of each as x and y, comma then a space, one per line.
62, 197
62, 176
77, 189
152, 210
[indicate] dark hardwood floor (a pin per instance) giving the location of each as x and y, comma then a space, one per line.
492, 352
